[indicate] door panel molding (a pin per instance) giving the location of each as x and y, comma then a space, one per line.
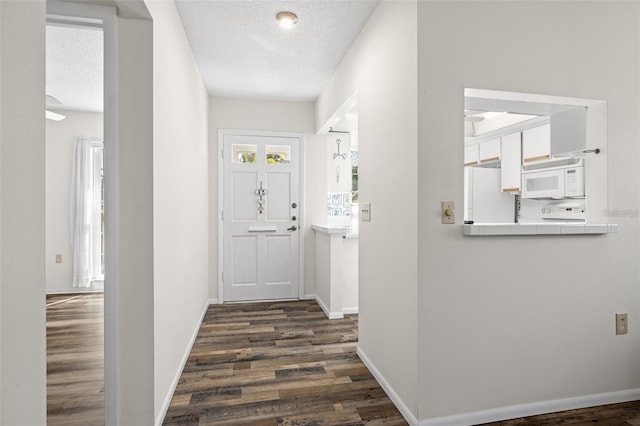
224, 215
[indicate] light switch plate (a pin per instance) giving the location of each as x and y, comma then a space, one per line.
365, 212
621, 324
448, 213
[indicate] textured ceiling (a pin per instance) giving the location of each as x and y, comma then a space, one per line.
239, 47
74, 67
243, 52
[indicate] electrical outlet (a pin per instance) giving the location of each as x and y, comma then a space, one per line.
58, 258
448, 213
621, 324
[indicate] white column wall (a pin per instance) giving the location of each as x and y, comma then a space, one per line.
129, 380
180, 203
296, 117
381, 66
129, 280
22, 220
520, 320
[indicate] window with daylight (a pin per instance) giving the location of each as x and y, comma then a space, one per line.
354, 176
244, 154
87, 212
278, 154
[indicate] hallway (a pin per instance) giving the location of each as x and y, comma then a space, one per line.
278, 363
254, 363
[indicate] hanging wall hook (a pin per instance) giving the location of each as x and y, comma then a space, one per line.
343, 155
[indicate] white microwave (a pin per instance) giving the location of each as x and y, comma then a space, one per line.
557, 178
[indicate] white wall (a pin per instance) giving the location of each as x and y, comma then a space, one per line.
350, 298
324, 272
519, 320
129, 257
22, 220
382, 67
336, 260
130, 301
180, 199
297, 117
59, 144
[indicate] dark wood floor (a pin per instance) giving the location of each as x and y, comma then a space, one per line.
609, 415
252, 364
75, 359
278, 364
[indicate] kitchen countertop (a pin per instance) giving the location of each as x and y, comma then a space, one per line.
337, 230
479, 229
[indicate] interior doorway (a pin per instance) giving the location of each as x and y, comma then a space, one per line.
74, 157
75, 220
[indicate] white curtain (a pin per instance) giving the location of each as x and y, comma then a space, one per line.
83, 210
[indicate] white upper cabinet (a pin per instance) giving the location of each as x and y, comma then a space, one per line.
511, 163
471, 155
536, 143
490, 151
569, 131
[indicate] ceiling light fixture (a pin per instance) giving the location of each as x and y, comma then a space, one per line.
287, 19
54, 115
50, 100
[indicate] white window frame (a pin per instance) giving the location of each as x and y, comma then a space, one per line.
95, 226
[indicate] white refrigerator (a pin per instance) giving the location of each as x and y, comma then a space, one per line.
484, 201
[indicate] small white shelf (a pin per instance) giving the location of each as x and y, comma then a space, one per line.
480, 229
332, 229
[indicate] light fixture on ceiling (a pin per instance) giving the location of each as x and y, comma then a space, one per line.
287, 19
50, 100
54, 115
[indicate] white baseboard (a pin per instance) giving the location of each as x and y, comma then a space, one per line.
404, 410
308, 297
534, 408
185, 357
214, 301
330, 315
74, 290
349, 311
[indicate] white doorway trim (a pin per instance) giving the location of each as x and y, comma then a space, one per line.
106, 17
221, 134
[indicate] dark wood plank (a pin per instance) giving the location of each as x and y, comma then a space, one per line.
624, 414
75, 359
263, 364
278, 363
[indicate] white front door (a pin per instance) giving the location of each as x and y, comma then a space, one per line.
261, 216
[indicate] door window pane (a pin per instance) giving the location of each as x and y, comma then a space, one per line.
277, 154
246, 154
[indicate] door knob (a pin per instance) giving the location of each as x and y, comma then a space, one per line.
293, 228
